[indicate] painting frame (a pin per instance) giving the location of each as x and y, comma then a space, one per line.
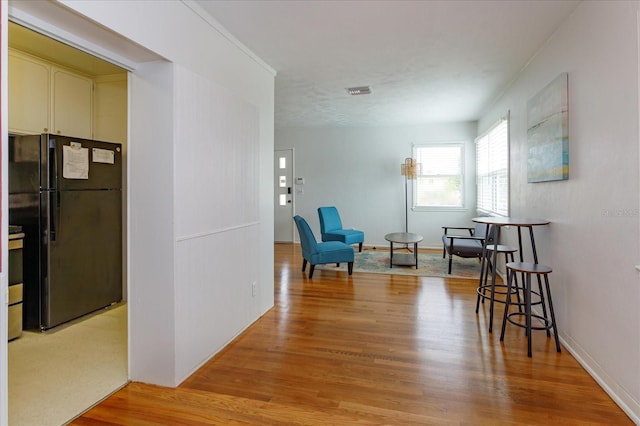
548, 132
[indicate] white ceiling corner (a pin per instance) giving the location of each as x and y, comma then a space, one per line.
425, 61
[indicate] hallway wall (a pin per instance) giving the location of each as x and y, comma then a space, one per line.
593, 242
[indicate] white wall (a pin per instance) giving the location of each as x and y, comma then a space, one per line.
593, 240
191, 272
358, 171
151, 235
216, 216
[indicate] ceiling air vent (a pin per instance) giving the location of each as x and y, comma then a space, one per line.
362, 90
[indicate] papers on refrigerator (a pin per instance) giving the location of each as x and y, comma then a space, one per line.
106, 156
75, 162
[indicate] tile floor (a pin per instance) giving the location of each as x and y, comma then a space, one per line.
55, 376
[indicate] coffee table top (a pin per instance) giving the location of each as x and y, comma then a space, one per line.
403, 237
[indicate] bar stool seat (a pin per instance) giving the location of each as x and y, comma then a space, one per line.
497, 292
548, 322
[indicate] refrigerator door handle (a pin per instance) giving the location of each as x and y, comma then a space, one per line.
54, 197
54, 208
52, 161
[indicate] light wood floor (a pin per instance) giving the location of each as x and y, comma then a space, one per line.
372, 349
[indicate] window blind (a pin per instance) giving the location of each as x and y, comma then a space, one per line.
492, 169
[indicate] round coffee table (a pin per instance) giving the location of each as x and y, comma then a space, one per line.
403, 259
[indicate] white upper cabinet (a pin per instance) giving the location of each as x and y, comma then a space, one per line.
46, 99
71, 101
29, 94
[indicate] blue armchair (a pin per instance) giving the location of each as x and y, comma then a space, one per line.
331, 228
320, 253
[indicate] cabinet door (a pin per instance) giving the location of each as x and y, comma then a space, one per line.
28, 95
71, 104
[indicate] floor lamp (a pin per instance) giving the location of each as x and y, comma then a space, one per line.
410, 169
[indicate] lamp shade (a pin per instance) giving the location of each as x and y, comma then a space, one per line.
410, 168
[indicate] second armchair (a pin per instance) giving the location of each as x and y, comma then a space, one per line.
331, 228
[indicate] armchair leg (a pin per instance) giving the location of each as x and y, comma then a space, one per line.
360, 247
311, 270
350, 268
304, 264
450, 260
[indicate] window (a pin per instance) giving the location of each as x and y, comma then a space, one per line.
492, 169
441, 182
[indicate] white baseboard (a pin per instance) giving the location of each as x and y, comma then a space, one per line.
620, 396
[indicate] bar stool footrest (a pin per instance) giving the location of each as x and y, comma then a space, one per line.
533, 303
484, 291
548, 325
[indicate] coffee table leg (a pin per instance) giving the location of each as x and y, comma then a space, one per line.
391, 255
415, 251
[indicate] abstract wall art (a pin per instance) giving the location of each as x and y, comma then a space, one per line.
548, 132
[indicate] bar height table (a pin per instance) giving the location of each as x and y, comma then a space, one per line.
497, 223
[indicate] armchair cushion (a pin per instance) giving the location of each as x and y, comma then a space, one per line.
331, 228
332, 252
463, 246
320, 253
466, 246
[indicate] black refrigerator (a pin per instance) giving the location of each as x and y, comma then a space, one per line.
66, 193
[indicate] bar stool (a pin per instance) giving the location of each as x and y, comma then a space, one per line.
528, 269
487, 285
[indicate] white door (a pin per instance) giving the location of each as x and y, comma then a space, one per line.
283, 216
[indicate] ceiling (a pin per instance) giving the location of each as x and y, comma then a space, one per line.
69, 39
425, 61
39, 45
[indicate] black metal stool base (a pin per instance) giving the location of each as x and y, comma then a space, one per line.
548, 323
486, 285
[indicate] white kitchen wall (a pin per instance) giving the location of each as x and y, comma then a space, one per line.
110, 108
593, 240
358, 171
191, 281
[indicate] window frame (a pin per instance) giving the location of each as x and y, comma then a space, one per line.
493, 209
462, 175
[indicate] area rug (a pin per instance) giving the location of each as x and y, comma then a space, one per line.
429, 265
